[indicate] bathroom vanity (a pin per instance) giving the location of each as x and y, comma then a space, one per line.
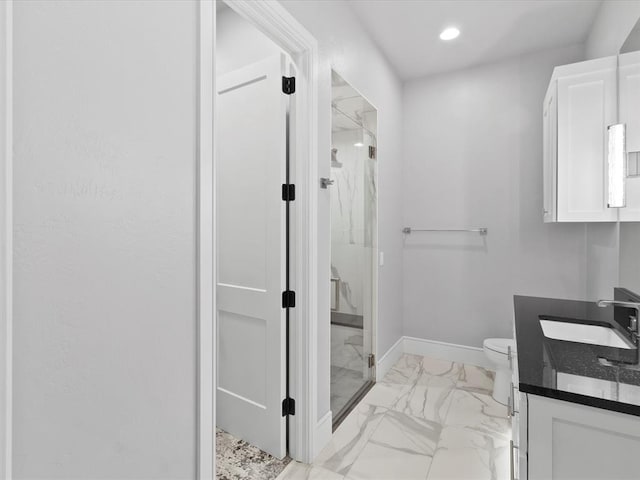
575, 397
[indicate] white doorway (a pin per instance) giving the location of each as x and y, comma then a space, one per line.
250, 261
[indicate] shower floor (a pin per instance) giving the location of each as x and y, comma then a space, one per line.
347, 365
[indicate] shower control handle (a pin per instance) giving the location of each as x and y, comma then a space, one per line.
325, 182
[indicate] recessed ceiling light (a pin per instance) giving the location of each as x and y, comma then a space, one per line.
358, 144
449, 33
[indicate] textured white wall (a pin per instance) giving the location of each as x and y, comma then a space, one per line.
345, 46
473, 157
105, 327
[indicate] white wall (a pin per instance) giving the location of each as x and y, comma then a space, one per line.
105, 321
473, 157
602, 240
346, 47
613, 23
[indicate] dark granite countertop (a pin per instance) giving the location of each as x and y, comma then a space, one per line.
572, 371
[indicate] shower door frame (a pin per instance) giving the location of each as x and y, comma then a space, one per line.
279, 25
375, 264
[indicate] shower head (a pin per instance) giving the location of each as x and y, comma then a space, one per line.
334, 158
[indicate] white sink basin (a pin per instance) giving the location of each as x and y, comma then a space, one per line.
578, 332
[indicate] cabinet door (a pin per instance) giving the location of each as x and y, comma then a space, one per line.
629, 91
587, 105
550, 154
571, 441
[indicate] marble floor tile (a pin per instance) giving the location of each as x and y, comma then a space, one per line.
428, 419
475, 379
301, 471
463, 453
480, 413
350, 438
404, 371
385, 394
426, 402
433, 368
400, 448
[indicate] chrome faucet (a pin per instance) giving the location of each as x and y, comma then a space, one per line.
633, 319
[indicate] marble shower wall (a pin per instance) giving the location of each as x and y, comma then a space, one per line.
353, 208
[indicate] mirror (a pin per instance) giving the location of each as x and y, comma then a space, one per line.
629, 256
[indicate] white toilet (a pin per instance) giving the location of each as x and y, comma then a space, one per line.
497, 350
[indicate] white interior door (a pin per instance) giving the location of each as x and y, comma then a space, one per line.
251, 154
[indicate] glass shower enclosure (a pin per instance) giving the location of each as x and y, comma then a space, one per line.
353, 246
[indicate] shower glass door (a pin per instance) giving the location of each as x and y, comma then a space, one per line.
353, 247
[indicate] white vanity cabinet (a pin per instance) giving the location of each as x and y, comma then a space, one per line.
580, 104
629, 114
572, 441
517, 410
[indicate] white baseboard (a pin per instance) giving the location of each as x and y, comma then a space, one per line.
322, 434
389, 359
446, 351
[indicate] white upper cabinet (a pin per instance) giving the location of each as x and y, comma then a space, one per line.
582, 101
629, 114
580, 104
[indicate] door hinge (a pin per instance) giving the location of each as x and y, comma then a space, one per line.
371, 361
288, 85
288, 192
288, 407
372, 152
288, 299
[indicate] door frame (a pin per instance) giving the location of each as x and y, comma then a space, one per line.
205, 245
279, 25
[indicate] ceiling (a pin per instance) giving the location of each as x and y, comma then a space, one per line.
407, 31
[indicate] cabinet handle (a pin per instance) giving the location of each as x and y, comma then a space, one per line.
510, 403
512, 447
511, 407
